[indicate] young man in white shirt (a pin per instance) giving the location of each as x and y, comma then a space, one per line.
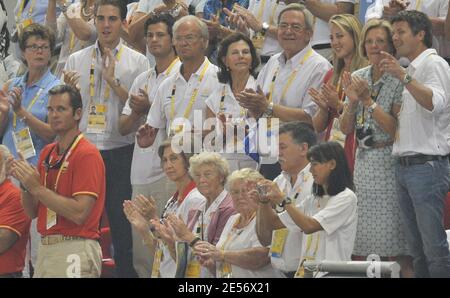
286, 78
104, 72
183, 95
295, 181
422, 144
147, 177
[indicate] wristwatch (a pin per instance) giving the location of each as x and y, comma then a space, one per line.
116, 82
269, 112
371, 108
265, 27
286, 201
64, 7
407, 79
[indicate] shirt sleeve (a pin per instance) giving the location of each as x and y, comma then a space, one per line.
133, 90
143, 6
12, 215
375, 10
437, 81
317, 75
337, 212
88, 175
156, 116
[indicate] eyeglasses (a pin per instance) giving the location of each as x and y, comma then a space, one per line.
294, 27
35, 48
188, 38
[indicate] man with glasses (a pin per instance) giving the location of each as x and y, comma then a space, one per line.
147, 177
104, 72
285, 79
66, 193
183, 94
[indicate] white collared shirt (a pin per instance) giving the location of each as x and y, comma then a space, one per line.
146, 164
432, 8
290, 257
422, 131
309, 75
321, 29
160, 111
269, 14
129, 66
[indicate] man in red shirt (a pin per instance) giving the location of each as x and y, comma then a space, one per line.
14, 224
66, 193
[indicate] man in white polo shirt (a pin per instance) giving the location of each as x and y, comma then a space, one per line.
104, 72
184, 93
296, 182
147, 177
422, 147
286, 78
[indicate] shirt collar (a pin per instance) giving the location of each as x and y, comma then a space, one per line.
116, 49
43, 81
301, 176
195, 74
295, 60
421, 58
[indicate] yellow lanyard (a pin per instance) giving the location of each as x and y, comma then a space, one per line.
166, 73
418, 4
222, 103
92, 75
309, 241
261, 10
72, 42
193, 96
28, 108
22, 7
290, 79
274, 8
75, 143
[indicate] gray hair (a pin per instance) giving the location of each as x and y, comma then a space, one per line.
309, 18
246, 174
190, 18
209, 158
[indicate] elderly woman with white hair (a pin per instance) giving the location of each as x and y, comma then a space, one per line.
209, 171
239, 252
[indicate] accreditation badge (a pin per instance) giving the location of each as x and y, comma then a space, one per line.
157, 261
336, 134
278, 242
26, 23
225, 270
300, 273
51, 218
24, 143
97, 119
193, 268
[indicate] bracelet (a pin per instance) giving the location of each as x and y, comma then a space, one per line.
192, 243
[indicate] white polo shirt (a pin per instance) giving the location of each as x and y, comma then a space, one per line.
420, 130
305, 70
146, 164
241, 239
129, 66
267, 11
160, 115
338, 217
302, 189
321, 29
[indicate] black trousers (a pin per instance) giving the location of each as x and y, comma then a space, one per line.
118, 189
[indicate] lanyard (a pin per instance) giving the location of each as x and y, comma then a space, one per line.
222, 103
22, 7
193, 96
166, 73
309, 241
418, 4
290, 79
92, 75
65, 158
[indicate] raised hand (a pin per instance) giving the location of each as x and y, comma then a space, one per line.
146, 206
331, 96
72, 78
135, 217
213, 26
139, 103
16, 96
179, 227
109, 65
27, 175
249, 18
349, 89
255, 101
4, 102
146, 135
389, 64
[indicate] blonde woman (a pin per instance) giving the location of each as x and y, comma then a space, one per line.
374, 101
345, 33
239, 253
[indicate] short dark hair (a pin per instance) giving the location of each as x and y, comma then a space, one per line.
301, 132
74, 95
160, 18
417, 21
224, 75
341, 177
121, 5
39, 31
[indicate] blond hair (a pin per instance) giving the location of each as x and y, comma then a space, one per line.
374, 24
209, 158
246, 174
350, 24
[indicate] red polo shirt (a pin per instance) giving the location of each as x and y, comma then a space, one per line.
13, 218
82, 174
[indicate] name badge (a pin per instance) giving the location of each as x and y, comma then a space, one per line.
225, 270
278, 242
157, 261
193, 269
24, 143
51, 218
300, 273
336, 133
97, 119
